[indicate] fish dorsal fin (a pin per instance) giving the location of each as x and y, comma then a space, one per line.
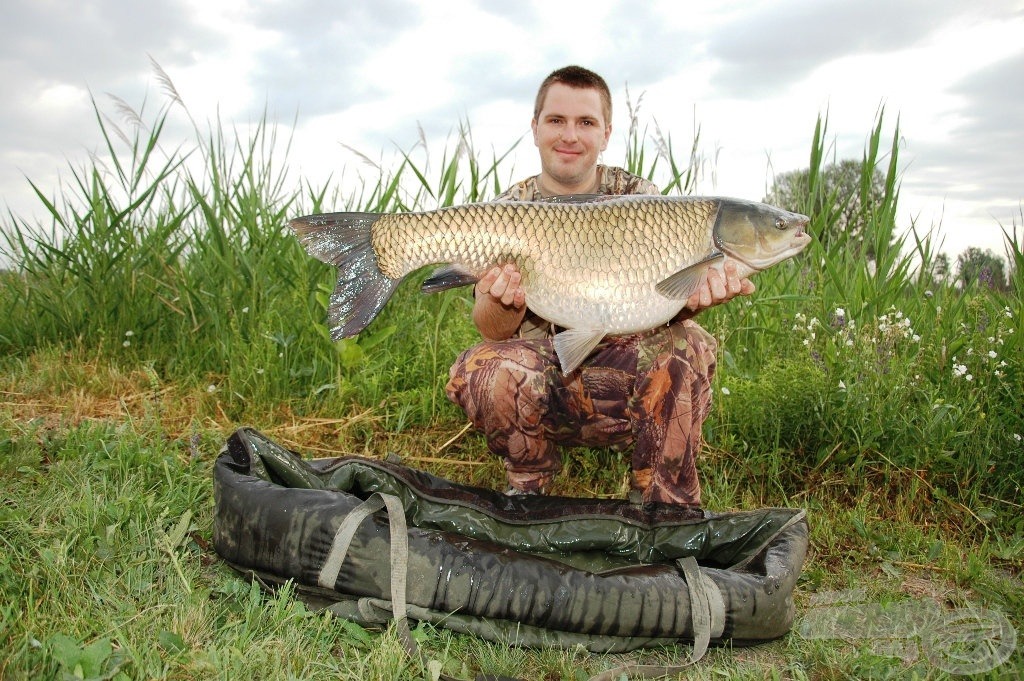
573, 345
446, 277
578, 198
683, 283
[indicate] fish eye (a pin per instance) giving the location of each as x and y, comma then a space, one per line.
780, 223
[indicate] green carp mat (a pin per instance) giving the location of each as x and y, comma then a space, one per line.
375, 541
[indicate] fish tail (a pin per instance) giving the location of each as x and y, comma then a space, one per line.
345, 241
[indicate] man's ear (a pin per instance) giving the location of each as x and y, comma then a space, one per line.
607, 136
533, 126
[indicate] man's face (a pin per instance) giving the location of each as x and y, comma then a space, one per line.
570, 133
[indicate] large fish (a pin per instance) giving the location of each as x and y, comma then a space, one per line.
594, 265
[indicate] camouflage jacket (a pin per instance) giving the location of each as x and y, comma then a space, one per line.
611, 180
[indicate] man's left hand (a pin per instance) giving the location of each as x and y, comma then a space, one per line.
720, 287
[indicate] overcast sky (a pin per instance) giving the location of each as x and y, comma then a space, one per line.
753, 75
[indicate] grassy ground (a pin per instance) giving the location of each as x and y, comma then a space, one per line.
107, 569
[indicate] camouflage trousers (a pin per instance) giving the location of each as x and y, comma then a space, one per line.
650, 390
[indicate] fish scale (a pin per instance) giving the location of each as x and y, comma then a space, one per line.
593, 265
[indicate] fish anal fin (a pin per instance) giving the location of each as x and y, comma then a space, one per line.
574, 345
446, 277
683, 283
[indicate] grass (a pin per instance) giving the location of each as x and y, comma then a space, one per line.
164, 303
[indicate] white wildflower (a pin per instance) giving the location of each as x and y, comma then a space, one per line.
992, 354
959, 369
1018, 437
969, 377
245, 310
725, 391
842, 386
915, 338
1009, 315
807, 342
211, 388
849, 342
259, 372
928, 294
126, 343
840, 312
129, 333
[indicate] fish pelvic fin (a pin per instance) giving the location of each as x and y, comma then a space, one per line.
574, 345
345, 241
683, 283
449, 276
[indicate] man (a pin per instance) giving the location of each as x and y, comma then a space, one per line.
651, 389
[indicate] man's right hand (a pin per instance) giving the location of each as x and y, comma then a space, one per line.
500, 303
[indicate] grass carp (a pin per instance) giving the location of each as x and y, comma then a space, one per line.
594, 265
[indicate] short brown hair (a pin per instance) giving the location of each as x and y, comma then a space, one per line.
580, 78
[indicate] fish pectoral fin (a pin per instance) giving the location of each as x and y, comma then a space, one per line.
683, 283
446, 277
573, 345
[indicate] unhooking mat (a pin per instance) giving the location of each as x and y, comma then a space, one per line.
374, 541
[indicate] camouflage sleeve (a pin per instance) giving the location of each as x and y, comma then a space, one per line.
526, 190
620, 181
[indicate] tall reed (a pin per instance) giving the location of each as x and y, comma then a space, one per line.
849, 359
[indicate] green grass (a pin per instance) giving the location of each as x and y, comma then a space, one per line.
164, 303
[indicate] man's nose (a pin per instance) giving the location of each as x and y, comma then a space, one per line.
569, 133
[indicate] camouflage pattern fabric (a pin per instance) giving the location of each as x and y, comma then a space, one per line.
651, 390
610, 180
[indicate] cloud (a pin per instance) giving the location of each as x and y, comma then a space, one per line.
776, 45
322, 62
981, 156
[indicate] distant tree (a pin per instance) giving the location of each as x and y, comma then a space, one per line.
840, 199
977, 267
942, 268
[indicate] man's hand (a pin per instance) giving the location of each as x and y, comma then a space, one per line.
718, 288
502, 285
500, 303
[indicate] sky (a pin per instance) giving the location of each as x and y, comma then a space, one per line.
754, 76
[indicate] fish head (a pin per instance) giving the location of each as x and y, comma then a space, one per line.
758, 235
